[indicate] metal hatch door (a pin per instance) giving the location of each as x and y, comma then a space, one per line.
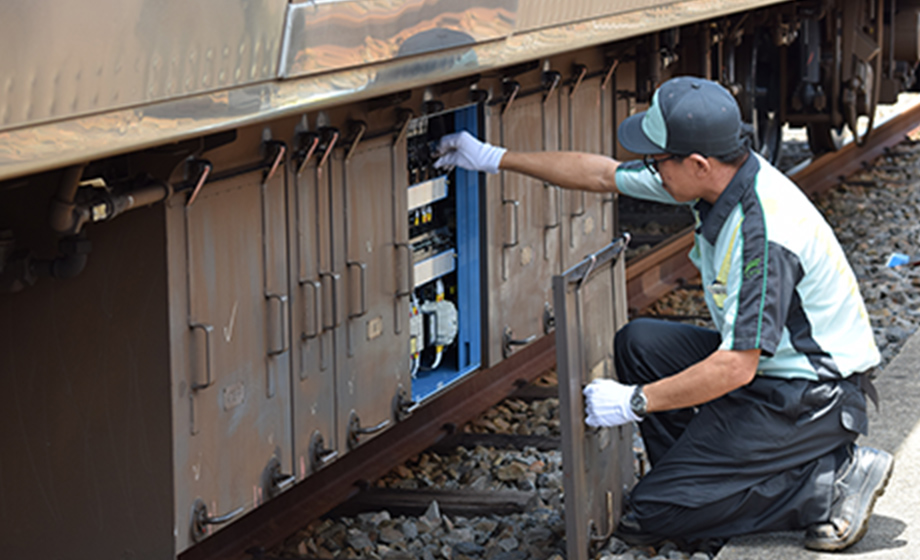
239, 432
588, 221
590, 302
524, 247
313, 310
375, 363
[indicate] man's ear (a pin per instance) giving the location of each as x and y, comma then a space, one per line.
701, 165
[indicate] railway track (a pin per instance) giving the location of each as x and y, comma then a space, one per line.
649, 277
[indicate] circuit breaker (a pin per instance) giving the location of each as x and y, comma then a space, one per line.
444, 233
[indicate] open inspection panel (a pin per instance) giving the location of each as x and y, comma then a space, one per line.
444, 242
590, 302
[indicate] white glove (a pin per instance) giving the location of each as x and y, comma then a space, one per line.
464, 150
607, 404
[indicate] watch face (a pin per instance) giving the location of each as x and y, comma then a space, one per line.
638, 402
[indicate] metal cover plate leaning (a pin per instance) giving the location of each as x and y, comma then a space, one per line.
590, 305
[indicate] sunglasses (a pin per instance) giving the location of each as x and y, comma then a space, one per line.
652, 163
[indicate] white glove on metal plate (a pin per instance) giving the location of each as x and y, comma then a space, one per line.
607, 404
464, 150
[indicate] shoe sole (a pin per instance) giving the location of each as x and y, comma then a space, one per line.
877, 478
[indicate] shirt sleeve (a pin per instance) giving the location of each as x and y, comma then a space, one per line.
635, 180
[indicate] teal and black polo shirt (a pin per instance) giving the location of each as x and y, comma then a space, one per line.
775, 276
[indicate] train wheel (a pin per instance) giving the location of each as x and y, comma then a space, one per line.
758, 71
860, 99
860, 92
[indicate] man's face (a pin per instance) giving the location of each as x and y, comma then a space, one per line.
678, 175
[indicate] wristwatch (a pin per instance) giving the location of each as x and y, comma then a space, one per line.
638, 402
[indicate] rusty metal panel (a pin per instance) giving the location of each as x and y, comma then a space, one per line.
331, 35
63, 59
233, 450
85, 424
524, 236
597, 463
313, 371
588, 217
374, 362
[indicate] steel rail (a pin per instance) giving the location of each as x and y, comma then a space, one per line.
648, 278
660, 271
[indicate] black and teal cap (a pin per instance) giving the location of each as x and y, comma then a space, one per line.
688, 115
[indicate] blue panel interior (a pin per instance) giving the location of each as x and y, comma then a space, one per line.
469, 339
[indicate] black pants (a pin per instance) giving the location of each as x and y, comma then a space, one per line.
761, 458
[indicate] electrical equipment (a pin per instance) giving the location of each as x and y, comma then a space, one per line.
443, 214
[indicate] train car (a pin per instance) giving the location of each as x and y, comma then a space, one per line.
227, 259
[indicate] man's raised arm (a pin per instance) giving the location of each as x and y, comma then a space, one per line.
569, 170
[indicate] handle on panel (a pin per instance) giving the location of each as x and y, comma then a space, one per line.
406, 289
552, 199
515, 205
209, 379
604, 202
334, 281
581, 210
316, 323
283, 318
363, 268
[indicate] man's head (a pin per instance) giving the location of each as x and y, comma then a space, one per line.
691, 130
687, 115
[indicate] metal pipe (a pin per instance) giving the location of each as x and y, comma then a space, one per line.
64, 215
74, 254
150, 193
69, 217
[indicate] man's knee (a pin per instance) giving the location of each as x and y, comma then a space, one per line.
631, 342
634, 335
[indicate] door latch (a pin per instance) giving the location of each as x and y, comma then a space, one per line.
355, 431
508, 342
201, 519
319, 455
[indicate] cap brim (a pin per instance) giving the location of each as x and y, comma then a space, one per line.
632, 137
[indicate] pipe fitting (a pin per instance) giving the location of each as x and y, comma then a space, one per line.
65, 216
74, 254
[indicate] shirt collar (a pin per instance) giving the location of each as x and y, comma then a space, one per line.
713, 216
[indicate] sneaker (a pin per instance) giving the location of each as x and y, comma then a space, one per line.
855, 492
